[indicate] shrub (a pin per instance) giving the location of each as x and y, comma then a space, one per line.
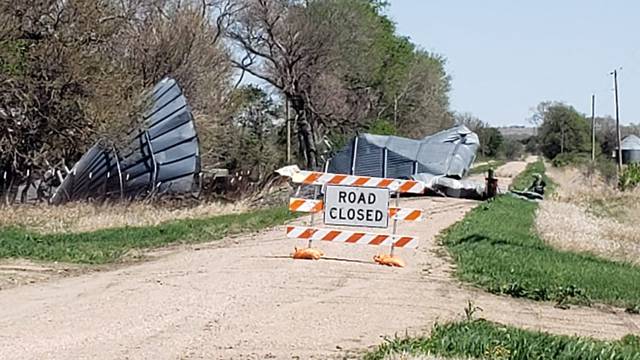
382, 127
604, 167
513, 149
570, 159
630, 178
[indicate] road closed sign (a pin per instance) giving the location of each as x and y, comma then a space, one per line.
356, 206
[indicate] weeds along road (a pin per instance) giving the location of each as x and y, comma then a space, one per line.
244, 298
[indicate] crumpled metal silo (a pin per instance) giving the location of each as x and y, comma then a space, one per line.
163, 156
448, 153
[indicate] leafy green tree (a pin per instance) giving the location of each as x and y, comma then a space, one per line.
606, 135
72, 72
382, 127
252, 142
341, 66
491, 141
563, 130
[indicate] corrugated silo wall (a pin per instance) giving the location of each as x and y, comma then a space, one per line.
369, 159
631, 156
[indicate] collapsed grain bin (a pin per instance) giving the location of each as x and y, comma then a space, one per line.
162, 156
439, 161
631, 150
449, 153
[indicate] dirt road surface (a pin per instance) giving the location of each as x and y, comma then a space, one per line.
244, 298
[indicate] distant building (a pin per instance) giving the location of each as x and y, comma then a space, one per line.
631, 150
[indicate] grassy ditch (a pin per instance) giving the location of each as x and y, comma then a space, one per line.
108, 245
495, 247
525, 178
486, 340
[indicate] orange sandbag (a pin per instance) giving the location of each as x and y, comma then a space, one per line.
307, 253
389, 260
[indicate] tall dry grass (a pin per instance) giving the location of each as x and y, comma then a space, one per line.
587, 215
570, 226
81, 217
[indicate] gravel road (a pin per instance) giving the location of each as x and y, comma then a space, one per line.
244, 298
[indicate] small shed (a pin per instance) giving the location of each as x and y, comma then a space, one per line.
631, 150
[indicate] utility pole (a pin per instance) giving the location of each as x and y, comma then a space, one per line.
618, 140
593, 127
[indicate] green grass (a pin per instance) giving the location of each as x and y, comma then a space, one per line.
487, 340
525, 178
108, 245
491, 164
495, 247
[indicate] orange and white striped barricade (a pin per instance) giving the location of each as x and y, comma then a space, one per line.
320, 178
317, 206
350, 237
351, 200
306, 205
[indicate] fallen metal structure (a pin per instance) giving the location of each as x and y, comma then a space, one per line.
439, 161
450, 187
162, 156
449, 153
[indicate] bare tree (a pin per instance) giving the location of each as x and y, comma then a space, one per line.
77, 69
282, 45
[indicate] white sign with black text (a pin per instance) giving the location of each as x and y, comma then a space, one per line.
356, 206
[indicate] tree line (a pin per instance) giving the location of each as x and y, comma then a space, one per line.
71, 72
564, 136
562, 130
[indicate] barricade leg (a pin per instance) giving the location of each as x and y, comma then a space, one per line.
309, 253
391, 260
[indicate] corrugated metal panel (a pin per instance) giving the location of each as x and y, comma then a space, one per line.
433, 158
450, 153
398, 166
631, 156
341, 162
369, 159
407, 148
164, 157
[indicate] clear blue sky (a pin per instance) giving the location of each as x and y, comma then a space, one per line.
507, 56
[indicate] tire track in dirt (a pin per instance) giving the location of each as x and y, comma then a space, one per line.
248, 300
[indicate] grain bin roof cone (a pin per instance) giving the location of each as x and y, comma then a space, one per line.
161, 156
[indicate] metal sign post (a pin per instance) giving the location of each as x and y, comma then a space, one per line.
311, 221
395, 223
